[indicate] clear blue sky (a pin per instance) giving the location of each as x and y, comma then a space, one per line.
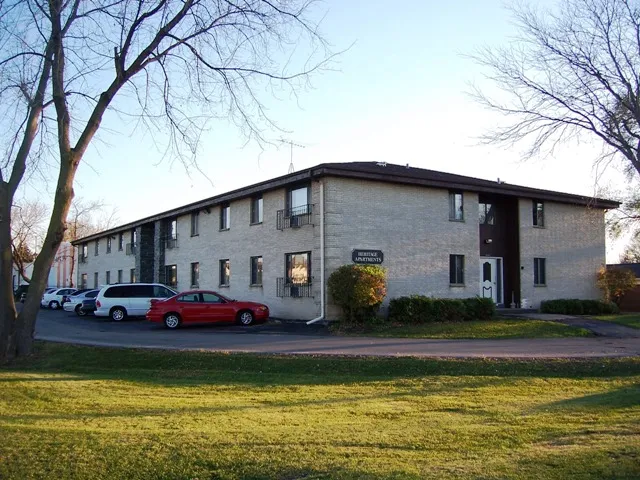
399, 96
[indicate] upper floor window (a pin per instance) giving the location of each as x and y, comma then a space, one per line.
487, 214
225, 216
456, 206
195, 224
298, 200
298, 267
538, 214
539, 271
172, 229
85, 251
97, 248
120, 242
134, 237
256, 209
109, 244
456, 269
95, 280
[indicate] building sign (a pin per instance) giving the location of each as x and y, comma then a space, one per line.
367, 256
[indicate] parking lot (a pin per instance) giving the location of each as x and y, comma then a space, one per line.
52, 321
298, 338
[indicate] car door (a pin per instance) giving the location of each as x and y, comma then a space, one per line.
139, 299
192, 309
217, 309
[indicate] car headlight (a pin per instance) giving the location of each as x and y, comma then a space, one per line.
262, 308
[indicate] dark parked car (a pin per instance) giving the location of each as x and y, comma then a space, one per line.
21, 292
88, 305
67, 298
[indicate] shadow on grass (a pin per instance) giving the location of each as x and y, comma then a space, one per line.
605, 463
625, 397
175, 368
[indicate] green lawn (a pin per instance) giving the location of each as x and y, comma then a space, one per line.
498, 328
79, 412
626, 319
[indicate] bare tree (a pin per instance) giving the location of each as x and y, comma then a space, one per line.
572, 73
65, 64
631, 253
27, 231
86, 218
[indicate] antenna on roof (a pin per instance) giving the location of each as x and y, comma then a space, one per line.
291, 145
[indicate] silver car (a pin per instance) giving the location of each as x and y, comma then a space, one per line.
74, 304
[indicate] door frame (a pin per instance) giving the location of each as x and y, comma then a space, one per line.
499, 269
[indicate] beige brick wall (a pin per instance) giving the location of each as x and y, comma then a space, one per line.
241, 242
114, 261
411, 226
573, 243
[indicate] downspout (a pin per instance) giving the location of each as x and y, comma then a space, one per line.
322, 292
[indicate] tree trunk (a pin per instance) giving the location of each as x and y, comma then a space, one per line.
55, 235
8, 313
73, 265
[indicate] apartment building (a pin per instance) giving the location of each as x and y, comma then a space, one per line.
436, 233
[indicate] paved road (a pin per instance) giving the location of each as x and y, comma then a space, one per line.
59, 326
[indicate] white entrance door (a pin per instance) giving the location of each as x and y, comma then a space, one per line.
491, 279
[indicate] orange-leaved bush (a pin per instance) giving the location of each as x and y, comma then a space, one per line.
615, 283
359, 290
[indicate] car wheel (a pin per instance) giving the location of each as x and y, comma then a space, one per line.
118, 314
246, 318
172, 320
79, 311
54, 305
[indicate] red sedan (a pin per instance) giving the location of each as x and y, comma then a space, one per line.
200, 306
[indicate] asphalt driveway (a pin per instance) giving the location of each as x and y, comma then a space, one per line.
289, 338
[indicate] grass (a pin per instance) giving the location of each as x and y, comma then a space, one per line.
497, 329
80, 412
627, 319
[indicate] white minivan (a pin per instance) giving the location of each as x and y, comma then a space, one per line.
129, 300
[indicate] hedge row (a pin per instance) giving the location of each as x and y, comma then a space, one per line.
572, 306
421, 309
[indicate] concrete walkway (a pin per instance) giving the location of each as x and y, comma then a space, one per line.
598, 327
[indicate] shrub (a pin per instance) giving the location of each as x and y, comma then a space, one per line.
422, 309
358, 290
573, 306
615, 283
